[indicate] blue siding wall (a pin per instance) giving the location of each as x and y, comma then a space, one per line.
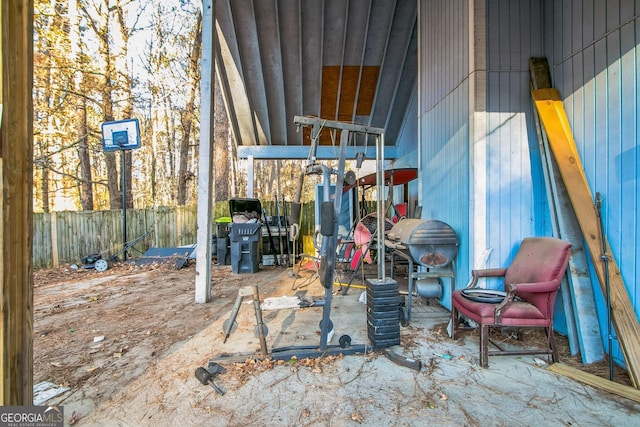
443, 118
407, 143
592, 47
479, 156
516, 205
407, 152
475, 104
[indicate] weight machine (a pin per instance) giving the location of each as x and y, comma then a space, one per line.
330, 212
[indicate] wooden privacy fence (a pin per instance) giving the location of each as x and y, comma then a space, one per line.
66, 237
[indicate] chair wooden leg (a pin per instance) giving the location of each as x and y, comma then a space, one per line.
454, 321
484, 346
552, 344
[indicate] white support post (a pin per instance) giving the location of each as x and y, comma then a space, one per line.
205, 163
250, 176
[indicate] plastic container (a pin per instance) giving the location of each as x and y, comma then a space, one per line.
245, 248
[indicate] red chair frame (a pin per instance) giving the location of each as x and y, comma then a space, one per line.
531, 283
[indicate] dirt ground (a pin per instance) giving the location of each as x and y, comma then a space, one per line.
96, 333
86, 321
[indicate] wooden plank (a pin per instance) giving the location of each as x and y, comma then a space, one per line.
540, 74
551, 184
596, 381
540, 77
16, 297
577, 290
580, 288
549, 105
3, 356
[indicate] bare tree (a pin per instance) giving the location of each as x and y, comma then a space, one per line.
99, 19
222, 165
184, 174
84, 76
126, 87
86, 176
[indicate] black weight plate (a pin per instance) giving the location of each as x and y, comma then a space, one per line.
390, 313
383, 294
380, 302
345, 341
383, 322
383, 343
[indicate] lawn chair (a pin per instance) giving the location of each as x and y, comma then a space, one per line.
364, 237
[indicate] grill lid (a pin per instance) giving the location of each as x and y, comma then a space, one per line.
430, 242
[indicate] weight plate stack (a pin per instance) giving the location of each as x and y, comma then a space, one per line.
383, 314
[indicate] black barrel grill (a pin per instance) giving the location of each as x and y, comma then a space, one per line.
429, 242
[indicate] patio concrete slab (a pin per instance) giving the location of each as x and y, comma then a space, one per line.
364, 389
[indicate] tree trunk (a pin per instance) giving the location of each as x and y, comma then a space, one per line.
170, 130
221, 145
45, 186
127, 87
113, 181
86, 178
84, 160
100, 25
184, 174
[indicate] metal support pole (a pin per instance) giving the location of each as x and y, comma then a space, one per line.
124, 205
380, 204
605, 259
329, 243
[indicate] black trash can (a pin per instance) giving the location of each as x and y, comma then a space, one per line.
245, 251
223, 254
244, 235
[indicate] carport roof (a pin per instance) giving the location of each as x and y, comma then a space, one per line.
353, 61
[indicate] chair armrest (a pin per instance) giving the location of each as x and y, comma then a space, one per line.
514, 288
487, 272
537, 287
506, 302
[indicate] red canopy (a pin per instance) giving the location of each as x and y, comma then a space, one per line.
397, 176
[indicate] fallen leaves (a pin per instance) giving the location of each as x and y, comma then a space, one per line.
73, 418
250, 367
357, 417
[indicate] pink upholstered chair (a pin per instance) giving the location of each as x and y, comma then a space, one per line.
530, 286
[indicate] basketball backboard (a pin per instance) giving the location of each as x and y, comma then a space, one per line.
121, 135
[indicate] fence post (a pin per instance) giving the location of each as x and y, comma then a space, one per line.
54, 240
